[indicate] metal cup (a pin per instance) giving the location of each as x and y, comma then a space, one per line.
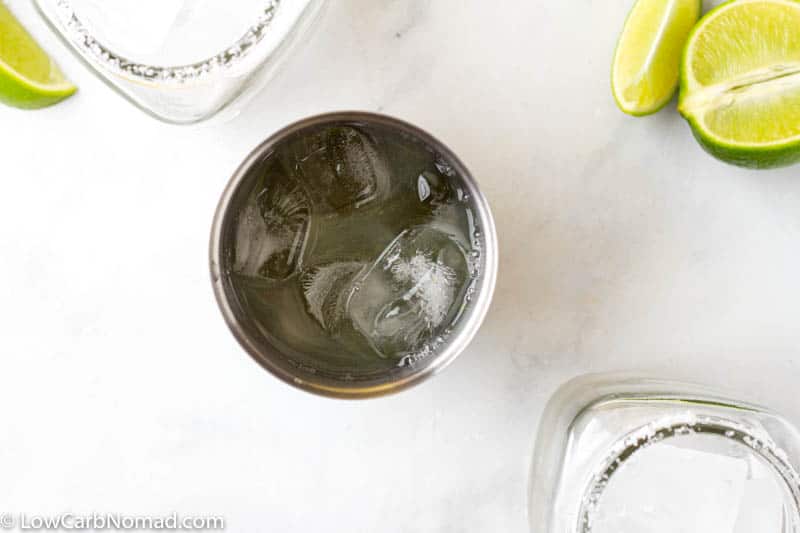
280, 362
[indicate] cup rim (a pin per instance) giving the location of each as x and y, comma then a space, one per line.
265, 354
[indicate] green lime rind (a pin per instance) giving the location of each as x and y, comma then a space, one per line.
757, 156
18, 92
754, 157
659, 72
29, 78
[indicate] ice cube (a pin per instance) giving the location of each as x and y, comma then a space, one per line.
341, 167
444, 167
168, 32
762, 508
326, 289
432, 188
411, 292
128, 19
670, 489
273, 228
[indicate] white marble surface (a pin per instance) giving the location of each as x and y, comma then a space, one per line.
624, 247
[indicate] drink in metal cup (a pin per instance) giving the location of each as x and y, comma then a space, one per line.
353, 255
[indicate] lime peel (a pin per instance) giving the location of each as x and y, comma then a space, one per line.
29, 79
645, 71
740, 82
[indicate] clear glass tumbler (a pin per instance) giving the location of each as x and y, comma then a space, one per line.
182, 61
629, 455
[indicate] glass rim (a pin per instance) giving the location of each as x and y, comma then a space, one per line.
678, 426
161, 74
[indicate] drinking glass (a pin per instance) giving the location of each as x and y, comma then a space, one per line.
182, 61
626, 454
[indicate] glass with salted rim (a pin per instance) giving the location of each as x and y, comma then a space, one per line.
182, 61
619, 454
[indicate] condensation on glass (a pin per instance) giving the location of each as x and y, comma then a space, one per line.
182, 61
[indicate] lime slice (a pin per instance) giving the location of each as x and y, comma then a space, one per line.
645, 71
28, 77
740, 82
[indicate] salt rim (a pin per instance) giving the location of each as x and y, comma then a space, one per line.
180, 74
671, 427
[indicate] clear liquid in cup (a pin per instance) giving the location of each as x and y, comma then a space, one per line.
355, 249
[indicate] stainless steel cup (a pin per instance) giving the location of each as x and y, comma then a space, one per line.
281, 364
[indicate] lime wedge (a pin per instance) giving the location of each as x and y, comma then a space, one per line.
28, 77
740, 82
645, 71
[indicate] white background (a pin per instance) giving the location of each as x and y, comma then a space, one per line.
624, 247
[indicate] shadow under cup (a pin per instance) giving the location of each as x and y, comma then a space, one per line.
274, 319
